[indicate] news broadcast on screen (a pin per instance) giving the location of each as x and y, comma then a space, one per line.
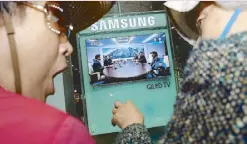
130, 58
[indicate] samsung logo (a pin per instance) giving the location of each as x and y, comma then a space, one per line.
111, 24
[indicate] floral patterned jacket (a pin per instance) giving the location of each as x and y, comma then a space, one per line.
211, 107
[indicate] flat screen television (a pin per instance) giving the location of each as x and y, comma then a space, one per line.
129, 58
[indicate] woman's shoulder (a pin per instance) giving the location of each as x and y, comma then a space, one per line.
212, 59
213, 93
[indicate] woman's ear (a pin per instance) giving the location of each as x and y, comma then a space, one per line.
202, 16
204, 12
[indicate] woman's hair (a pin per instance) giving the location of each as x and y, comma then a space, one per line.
4, 6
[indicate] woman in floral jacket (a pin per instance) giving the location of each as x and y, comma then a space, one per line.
211, 106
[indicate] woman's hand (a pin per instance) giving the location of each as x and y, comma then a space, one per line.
125, 114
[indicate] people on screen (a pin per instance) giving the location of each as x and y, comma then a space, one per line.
97, 67
141, 58
153, 64
107, 61
155, 60
155, 39
160, 40
161, 69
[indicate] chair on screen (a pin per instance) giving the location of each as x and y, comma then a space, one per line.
94, 76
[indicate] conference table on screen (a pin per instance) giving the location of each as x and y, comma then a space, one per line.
127, 70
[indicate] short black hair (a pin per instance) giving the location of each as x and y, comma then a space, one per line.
155, 53
97, 56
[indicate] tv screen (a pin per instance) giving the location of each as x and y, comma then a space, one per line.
130, 58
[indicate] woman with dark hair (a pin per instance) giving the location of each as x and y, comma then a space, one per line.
34, 46
211, 107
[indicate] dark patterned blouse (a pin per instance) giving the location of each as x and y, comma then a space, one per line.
211, 107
